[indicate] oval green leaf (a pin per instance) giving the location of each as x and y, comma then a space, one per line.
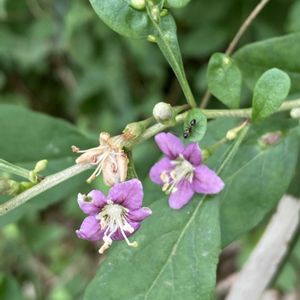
122, 18
127, 21
224, 79
270, 91
196, 123
280, 52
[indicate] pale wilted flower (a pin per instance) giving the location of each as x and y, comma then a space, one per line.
109, 158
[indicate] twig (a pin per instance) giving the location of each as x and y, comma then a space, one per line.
44, 185
258, 8
268, 254
52, 180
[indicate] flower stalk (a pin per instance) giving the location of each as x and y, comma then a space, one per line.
53, 180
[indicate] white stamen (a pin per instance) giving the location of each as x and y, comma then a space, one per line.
183, 169
108, 158
113, 217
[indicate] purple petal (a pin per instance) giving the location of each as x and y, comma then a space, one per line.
193, 154
92, 203
118, 234
182, 196
169, 144
163, 165
129, 194
139, 215
206, 181
90, 229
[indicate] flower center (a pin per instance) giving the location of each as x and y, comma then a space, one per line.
113, 217
183, 170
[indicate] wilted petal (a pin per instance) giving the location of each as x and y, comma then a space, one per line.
115, 168
129, 194
193, 154
169, 144
118, 234
92, 203
163, 165
90, 156
90, 229
206, 181
139, 215
182, 196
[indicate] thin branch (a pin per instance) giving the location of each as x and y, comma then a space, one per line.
254, 13
268, 254
55, 179
259, 7
46, 184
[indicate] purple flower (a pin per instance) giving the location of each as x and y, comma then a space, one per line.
181, 172
115, 217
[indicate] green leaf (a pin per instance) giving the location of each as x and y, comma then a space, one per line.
270, 91
176, 258
178, 250
28, 137
121, 17
282, 53
198, 130
177, 3
293, 22
166, 38
256, 180
224, 79
141, 24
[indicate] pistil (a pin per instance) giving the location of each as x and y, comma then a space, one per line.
183, 170
113, 217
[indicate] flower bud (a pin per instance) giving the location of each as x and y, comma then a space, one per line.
295, 113
40, 166
205, 154
271, 138
163, 112
138, 4
8, 186
151, 38
155, 13
231, 134
133, 130
163, 12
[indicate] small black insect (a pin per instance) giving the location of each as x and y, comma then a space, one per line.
188, 130
193, 122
